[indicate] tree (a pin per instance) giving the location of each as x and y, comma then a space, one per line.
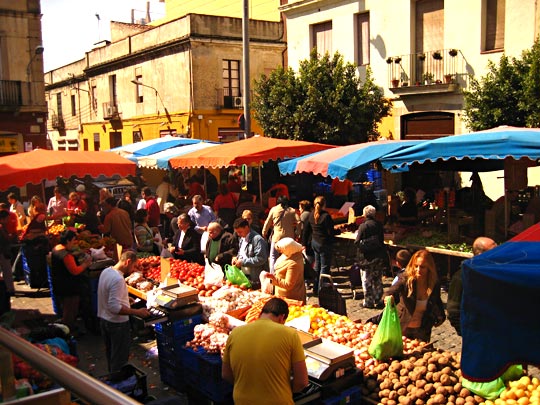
324, 102
509, 94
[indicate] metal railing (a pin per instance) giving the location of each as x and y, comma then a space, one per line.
10, 93
425, 68
82, 385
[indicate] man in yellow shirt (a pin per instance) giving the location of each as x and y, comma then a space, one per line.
260, 357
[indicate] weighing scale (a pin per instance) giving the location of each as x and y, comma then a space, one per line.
176, 296
327, 360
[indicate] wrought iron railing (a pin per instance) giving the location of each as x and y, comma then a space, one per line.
426, 68
10, 93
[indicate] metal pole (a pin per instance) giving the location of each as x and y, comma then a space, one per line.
245, 66
87, 388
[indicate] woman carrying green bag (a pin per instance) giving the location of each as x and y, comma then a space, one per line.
387, 341
418, 293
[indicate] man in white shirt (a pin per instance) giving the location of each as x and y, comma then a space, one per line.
114, 310
57, 205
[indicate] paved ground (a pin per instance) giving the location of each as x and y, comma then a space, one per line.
32, 305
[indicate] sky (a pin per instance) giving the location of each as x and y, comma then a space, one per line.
70, 27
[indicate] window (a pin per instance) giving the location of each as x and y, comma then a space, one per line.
231, 81
321, 37
429, 25
96, 141
167, 132
362, 34
115, 139
94, 98
113, 97
85, 144
59, 105
231, 78
139, 89
73, 106
137, 136
494, 25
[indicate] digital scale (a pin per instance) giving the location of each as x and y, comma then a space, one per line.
176, 296
327, 360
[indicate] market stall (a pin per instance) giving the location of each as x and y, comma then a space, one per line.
40, 164
160, 160
251, 151
133, 150
500, 321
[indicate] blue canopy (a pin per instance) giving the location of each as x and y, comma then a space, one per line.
151, 146
477, 151
500, 320
161, 159
343, 161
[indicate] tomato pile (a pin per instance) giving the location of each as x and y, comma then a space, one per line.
191, 274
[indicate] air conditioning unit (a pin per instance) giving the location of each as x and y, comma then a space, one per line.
238, 102
112, 110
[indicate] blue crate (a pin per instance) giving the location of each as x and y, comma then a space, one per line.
172, 376
181, 330
336, 400
202, 371
352, 396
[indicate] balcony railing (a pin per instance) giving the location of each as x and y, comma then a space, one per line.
57, 122
10, 93
443, 69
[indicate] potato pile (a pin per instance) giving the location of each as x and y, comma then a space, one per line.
432, 377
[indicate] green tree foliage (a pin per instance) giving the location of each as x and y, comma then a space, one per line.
325, 102
509, 94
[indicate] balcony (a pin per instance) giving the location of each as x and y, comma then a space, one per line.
57, 122
10, 93
433, 72
224, 100
111, 111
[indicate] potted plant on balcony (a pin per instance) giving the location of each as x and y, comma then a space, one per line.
452, 52
437, 55
395, 83
422, 57
427, 78
448, 78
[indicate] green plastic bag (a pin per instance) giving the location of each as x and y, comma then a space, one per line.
387, 341
492, 389
236, 276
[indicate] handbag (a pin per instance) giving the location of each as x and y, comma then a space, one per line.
387, 341
369, 244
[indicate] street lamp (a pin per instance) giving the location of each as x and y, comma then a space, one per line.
139, 83
37, 51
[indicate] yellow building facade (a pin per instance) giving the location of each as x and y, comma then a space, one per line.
182, 77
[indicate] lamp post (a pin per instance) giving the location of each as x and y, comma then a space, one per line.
38, 50
139, 83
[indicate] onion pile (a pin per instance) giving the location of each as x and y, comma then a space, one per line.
211, 336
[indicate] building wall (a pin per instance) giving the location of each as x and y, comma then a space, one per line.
180, 64
392, 33
22, 105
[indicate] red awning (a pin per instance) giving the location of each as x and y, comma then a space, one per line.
247, 151
40, 164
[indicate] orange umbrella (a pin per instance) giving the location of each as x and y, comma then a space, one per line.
247, 151
40, 164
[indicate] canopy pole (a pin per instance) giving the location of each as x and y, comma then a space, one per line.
260, 185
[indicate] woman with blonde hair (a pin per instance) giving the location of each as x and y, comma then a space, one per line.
419, 293
319, 228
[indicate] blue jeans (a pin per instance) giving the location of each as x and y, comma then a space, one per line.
117, 339
323, 260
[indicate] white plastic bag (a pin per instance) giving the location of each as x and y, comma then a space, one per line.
266, 283
213, 274
165, 253
98, 254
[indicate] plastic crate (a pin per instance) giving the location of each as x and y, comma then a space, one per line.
172, 376
181, 330
352, 396
168, 348
123, 381
202, 371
